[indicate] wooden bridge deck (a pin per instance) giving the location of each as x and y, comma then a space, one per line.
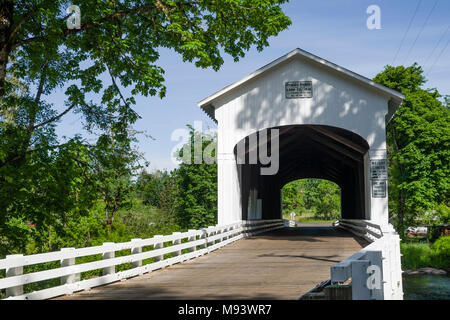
281, 264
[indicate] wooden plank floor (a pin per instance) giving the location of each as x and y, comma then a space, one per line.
281, 264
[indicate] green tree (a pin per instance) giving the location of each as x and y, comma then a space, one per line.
418, 139
121, 39
45, 181
292, 197
322, 197
328, 201
197, 182
150, 186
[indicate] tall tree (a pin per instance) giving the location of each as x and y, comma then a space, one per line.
197, 182
115, 46
418, 140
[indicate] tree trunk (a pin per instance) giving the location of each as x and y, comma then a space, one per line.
6, 24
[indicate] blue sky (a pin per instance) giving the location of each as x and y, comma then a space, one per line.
332, 29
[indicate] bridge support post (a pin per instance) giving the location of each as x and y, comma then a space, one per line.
376, 259
69, 262
109, 255
135, 250
11, 272
360, 291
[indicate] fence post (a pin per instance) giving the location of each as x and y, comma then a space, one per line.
11, 272
209, 232
136, 249
109, 255
224, 230
193, 238
175, 242
158, 245
71, 278
204, 236
229, 236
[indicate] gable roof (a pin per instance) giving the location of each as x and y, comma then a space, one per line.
396, 98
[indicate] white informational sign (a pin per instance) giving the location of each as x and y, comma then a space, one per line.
379, 188
298, 89
378, 169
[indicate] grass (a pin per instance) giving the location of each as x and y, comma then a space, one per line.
307, 217
422, 255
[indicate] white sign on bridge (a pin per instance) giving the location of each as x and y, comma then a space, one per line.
298, 89
378, 169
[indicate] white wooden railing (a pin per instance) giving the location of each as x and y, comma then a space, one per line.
290, 223
180, 246
363, 228
375, 271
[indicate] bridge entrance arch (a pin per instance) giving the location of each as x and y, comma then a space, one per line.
304, 151
322, 120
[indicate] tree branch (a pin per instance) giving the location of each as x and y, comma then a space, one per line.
54, 118
110, 17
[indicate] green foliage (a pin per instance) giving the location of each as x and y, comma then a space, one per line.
291, 195
67, 192
197, 182
442, 247
433, 234
50, 187
188, 194
152, 187
418, 139
144, 221
415, 256
328, 204
322, 197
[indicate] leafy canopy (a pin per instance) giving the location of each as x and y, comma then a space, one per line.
46, 183
418, 139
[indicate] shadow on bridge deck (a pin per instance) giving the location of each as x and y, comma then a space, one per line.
281, 264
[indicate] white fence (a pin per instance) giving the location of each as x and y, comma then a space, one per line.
290, 223
375, 271
194, 243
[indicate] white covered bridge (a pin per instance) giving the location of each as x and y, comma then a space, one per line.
298, 117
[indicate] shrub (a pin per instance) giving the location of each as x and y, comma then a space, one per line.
415, 256
442, 250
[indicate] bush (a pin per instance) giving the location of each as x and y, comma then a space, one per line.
421, 255
415, 255
442, 249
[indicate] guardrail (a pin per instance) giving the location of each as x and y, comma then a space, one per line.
290, 223
162, 250
375, 271
363, 228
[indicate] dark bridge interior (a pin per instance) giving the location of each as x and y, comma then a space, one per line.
308, 151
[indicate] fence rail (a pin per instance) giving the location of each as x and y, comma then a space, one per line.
363, 228
375, 271
194, 243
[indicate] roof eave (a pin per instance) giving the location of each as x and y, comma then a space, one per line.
208, 102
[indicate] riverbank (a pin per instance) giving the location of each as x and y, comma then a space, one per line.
426, 256
426, 271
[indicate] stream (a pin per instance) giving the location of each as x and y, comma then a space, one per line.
426, 287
